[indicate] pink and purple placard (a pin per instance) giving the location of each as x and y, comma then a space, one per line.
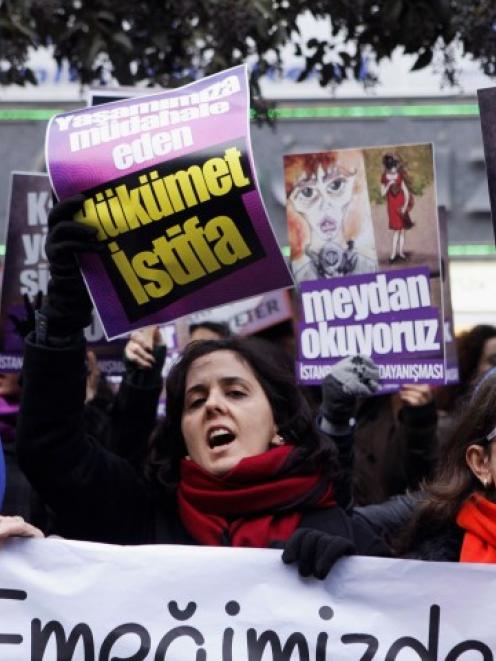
170, 185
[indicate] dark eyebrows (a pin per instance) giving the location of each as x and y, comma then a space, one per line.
197, 388
225, 381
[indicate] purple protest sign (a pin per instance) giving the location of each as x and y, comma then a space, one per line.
387, 315
26, 275
25, 267
363, 224
171, 187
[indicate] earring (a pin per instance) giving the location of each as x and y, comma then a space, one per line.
277, 440
486, 482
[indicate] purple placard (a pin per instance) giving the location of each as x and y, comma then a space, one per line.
387, 315
26, 273
25, 265
170, 185
356, 218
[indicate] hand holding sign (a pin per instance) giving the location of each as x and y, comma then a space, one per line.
351, 377
140, 346
316, 552
15, 526
416, 394
67, 307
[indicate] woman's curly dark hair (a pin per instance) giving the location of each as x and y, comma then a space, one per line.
292, 414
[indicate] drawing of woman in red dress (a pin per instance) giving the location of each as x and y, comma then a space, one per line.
394, 186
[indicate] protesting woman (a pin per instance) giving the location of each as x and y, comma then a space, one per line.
237, 462
456, 519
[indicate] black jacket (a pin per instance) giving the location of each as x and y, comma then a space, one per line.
393, 452
97, 495
437, 543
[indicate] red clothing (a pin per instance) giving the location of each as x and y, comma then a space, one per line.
395, 202
477, 517
259, 501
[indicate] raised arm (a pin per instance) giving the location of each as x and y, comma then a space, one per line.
94, 494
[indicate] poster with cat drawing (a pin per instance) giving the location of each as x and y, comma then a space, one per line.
365, 253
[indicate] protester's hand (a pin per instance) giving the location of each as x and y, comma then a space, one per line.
66, 238
351, 377
140, 346
93, 375
24, 326
15, 526
316, 552
144, 357
67, 307
416, 395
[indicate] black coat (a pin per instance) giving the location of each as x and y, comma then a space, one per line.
437, 543
96, 494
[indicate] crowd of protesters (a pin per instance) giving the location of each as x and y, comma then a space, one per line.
243, 457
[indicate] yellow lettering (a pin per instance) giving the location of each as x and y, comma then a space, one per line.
126, 270
131, 205
159, 282
89, 216
197, 239
216, 173
182, 186
233, 157
179, 259
230, 246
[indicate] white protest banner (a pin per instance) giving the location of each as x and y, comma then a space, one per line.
74, 601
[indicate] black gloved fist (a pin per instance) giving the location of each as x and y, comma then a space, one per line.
67, 307
315, 552
351, 377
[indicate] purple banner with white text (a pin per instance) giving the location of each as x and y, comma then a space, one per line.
26, 275
387, 315
366, 254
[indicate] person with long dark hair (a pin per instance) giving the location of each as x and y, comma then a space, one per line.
476, 352
238, 460
456, 517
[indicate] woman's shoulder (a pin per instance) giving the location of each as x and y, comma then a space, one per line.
441, 543
335, 521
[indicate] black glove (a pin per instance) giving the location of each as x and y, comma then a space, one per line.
351, 377
24, 326
316, 551
67, 307
146, 377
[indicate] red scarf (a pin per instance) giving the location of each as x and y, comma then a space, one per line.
253, 504
477, 517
